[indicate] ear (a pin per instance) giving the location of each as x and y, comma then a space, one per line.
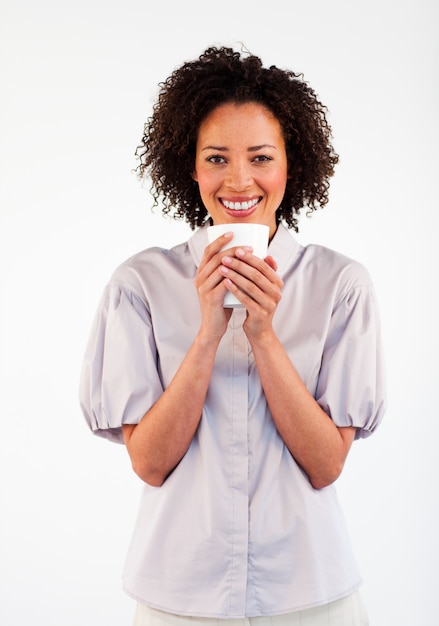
194, 176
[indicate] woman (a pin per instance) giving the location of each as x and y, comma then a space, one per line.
238, 421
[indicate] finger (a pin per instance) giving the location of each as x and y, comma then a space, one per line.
207, 264
252, 267
211, 259
213, 255
253, 284
215, 246
253, 298
269, 260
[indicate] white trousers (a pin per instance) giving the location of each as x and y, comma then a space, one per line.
349, 611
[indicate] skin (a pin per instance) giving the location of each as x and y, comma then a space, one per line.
240, 158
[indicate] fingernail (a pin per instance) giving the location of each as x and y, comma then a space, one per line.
243, 250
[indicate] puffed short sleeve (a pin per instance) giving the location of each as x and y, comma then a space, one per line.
119, 379
351, 385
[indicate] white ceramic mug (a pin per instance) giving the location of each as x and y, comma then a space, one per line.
254, 235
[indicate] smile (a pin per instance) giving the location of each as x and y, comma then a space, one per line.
240, 206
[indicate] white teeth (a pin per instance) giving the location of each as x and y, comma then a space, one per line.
240, 206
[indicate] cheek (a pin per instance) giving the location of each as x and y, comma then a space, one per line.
207, 183
278, 182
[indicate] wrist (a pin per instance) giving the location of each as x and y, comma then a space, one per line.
260, 337
206, 341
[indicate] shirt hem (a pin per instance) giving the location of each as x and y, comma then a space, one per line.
245, 615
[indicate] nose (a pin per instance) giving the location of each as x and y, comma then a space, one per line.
238, 176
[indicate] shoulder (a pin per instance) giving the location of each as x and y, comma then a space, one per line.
335, 267
323, 275
152, 264
317, 265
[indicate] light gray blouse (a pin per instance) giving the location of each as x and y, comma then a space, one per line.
236, 529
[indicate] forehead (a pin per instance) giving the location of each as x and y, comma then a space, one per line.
236, 120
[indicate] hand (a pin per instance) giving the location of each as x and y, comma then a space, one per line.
211, 289
256, 285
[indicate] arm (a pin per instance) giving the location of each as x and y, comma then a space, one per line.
316, 443
160, 440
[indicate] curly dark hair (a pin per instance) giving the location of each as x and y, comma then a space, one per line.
219, 76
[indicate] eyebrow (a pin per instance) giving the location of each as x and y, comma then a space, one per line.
251, 149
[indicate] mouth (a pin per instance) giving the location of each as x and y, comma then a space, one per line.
241, 206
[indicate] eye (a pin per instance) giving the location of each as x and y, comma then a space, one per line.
216, 158
262, 158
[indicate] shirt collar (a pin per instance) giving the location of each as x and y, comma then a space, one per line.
283, 247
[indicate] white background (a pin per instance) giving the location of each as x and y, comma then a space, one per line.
77, 83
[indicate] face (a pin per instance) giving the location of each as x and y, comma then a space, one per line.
241, 164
